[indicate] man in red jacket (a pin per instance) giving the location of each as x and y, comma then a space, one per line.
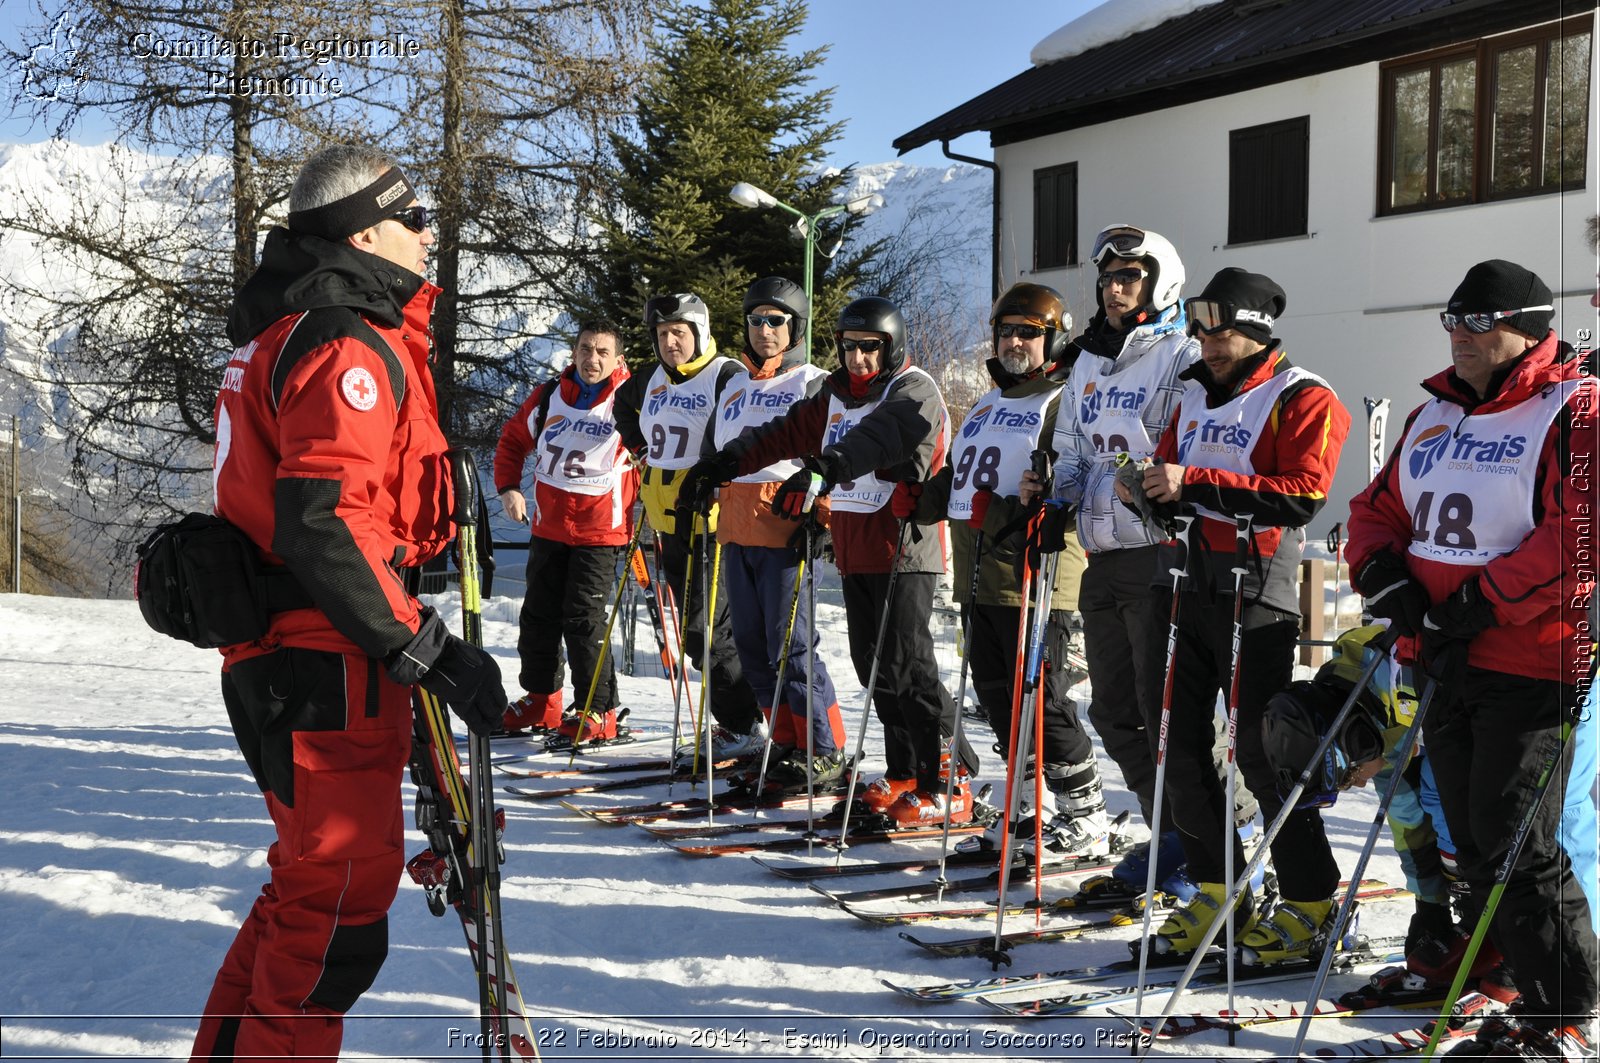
583, 490
330, 458
1475, 540
1258, 437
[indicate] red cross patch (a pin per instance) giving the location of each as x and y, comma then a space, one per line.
360, 390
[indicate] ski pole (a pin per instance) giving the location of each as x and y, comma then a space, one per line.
680, 680
484, 861
605, 642
961, 698
1019, 667
872, 682
683, 654
1179, 574
777, 689
1502, 876
1241, 551
708, 602
1378, 648
811, 686
1336, 547
1347, 906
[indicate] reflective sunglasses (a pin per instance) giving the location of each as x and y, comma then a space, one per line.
772, 321
1021, 332
1481, 323
413, 218
1126, 242
1127, 278
851, 346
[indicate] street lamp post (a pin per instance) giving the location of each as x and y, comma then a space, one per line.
748, 195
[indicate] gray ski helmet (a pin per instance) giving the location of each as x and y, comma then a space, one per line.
685, 307
787, 296
1294, 724
1131, 242
873, 313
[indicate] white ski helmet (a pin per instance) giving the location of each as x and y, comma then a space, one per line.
685, 307
1131, 242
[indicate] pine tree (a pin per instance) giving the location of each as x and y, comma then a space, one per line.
724, 102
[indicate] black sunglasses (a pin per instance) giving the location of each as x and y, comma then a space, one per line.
1021, 332
851, 346
1126, 277
413, 218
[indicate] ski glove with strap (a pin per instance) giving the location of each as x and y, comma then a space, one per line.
698, 484
1391, 592
453, 670
821, 537
1045, 535
798, 494
980, 508
1450, 626
903, 502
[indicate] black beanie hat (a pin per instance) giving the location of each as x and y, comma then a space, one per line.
1500, 285
1256, 299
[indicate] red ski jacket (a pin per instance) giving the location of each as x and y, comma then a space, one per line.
329, 453
564, 516
1539, 591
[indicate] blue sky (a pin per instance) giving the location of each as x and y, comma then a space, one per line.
895, 63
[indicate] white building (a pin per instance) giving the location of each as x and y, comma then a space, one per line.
1362, 153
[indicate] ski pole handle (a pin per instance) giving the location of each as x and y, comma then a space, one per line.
464, 480
1039, 465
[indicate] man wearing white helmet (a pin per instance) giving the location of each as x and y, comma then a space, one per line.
1123, 389
668, 415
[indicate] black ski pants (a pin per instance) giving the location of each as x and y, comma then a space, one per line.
733, 703
992, 646
1196, 795
916, 711
1487, 744
568, 598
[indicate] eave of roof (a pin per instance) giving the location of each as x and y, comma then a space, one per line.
1222, 49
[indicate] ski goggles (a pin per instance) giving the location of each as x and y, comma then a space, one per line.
1482, 322
851, 346
1122, 241
772, 321
1021, 332
414, 218
1126, 278
1211, 317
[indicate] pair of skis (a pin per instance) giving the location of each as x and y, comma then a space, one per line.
461, 867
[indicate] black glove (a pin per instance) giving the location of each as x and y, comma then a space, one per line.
1450, 626
1047, 535
456, 672
799, 493
821, 538
1391, 592
1159, 517
697, 485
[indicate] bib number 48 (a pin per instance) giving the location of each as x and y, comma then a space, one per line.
1454, 529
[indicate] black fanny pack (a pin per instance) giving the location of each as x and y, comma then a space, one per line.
201, 580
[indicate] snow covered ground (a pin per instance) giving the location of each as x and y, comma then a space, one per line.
131, 844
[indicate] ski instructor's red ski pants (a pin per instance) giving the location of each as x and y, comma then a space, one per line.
327, 736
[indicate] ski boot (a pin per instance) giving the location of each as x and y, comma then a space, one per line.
1180, 934
1125, 885
1514, 1035
1392, 986
1296, 930
1438, 961
919, 808
533, 712
882, 793
1079, 827
599, 727
1500, 985
827, 769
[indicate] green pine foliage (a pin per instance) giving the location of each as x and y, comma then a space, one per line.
724, 101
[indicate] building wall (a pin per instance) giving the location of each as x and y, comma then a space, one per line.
1363, 291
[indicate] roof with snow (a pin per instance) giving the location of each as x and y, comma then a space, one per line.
1216, 50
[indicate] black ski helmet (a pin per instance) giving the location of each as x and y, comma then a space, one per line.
1041, 305
874, 313
1295, 721
787, 296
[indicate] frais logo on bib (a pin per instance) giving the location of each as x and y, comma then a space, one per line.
1112, 398
662, 396
837, 427
1465, 451
1211, 437
999, 417
559, 425
758, 400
